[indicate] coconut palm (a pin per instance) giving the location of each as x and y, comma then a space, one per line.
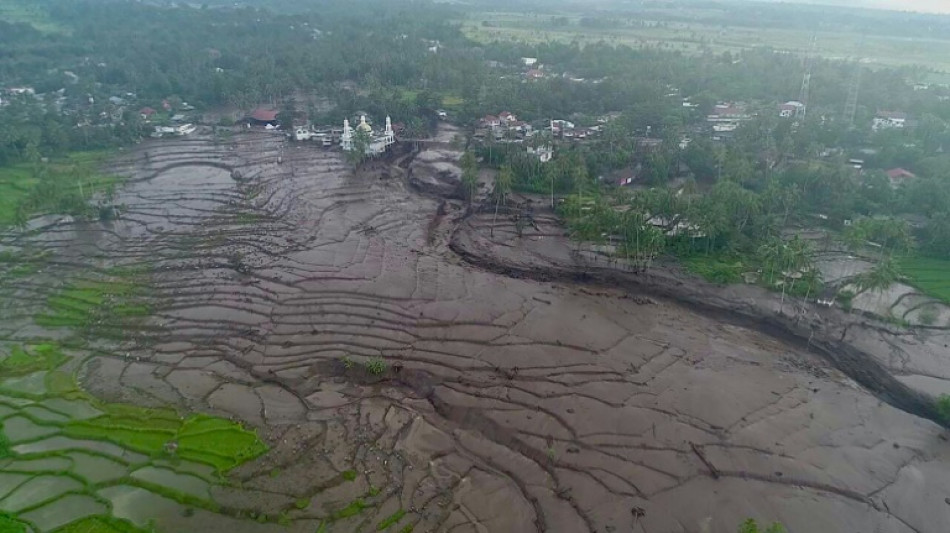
501, 190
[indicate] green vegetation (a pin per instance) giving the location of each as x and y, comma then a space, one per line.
56, 408
391, 520
302, 503
717, 29
722, 269
200, 438
100, 524
27, 12
349, 475
931, 276
9, 524
376, 366
943, 408
66, 185
751, 526
354, 508
107, 302
28, 360
407, 529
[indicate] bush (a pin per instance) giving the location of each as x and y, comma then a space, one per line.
751, 526
376, 366
846, 298
943, 408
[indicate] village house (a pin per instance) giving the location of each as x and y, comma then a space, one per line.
262, 117
147, 113
885, 120
791, 109
728, 112
544, 153
489, 121
899, 176
534, 74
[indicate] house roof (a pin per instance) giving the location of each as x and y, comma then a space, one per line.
534, 73
489, 118
900, 174
147, 111
728, 110
264, 115
505, 114
894, 115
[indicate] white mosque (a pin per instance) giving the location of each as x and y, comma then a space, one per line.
378, 142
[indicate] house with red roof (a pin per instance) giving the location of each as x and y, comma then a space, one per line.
899, 176
263, 116
147, 113
534, 74
489, 121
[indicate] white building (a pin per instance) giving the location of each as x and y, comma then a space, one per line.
544, 153
886, 120
378, 142
791, 109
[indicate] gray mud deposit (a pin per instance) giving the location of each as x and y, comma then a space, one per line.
507, 404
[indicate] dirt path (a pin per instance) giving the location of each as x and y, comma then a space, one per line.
503, 403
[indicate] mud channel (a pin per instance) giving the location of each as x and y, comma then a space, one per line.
522, 388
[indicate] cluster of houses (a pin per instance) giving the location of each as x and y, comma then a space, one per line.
171, 121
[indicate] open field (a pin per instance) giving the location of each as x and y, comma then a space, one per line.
24, 11
62, 186
694, 37
932, 276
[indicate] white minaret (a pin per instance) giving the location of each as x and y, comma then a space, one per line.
390, 135
347, 139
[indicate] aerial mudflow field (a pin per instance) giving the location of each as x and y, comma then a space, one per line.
266, 340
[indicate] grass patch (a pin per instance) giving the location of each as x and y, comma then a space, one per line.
4, 452
391, 520
349, 475
8, 524
452, 102
23, 361
27, 12
65, 186
354, 508
115, 300
719, 269
930, 276
99, 524
156, 432
694, 37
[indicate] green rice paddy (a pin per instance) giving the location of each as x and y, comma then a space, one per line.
931, 276
63, 452
62, 186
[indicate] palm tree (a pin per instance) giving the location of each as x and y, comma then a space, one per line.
469, 174
501, 190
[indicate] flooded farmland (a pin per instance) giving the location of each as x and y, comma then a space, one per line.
266, 340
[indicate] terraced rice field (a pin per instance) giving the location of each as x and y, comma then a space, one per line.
932, 276
256, 293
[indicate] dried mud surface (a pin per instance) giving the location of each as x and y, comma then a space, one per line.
507, 404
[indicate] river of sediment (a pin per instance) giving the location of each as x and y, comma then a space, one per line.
505, 404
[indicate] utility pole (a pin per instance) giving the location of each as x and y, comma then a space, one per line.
851, 105
806, 80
